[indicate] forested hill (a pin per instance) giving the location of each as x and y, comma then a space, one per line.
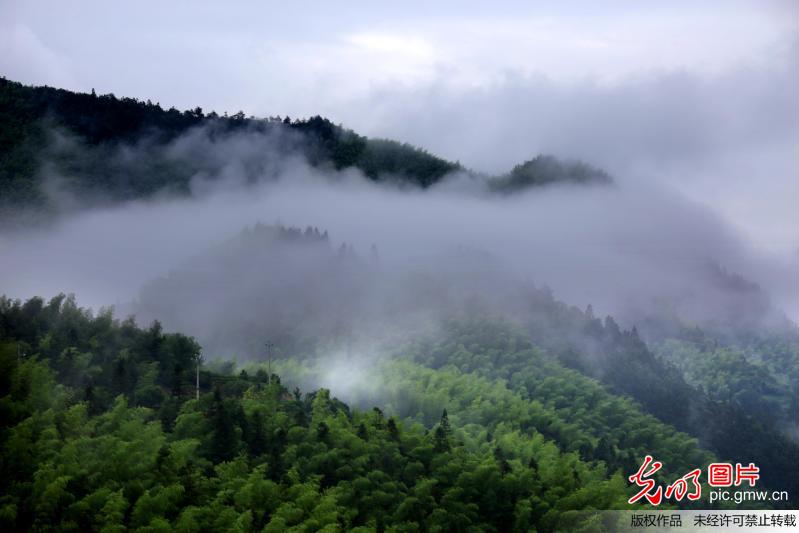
102, 122
102, 147
545, 170
309, 295
102, 429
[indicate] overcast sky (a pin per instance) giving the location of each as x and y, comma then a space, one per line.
699, 95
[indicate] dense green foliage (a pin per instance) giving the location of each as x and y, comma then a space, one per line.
757, 373
549, 336
624, 362
725, 374
101, 431
574, 410
725, 429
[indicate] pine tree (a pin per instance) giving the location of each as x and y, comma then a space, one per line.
441, 436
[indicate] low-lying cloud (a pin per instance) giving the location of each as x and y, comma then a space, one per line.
726, 138
624, 249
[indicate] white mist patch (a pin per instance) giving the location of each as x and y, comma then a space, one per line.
346, 375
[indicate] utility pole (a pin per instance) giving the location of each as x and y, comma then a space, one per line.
199, 361
269, 346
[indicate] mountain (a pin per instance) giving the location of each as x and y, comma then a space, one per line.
100, 148
277, 378
101, 125
104, 417
547, 170
312, 297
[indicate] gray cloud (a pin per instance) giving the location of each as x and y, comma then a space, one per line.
726, 139
624, 249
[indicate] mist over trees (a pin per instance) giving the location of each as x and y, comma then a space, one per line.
86, 146
91, 132
301, 327
544, 170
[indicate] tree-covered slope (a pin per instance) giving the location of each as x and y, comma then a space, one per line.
547, 170
254, 281
478, 428
101, 430
83, 136
90, 149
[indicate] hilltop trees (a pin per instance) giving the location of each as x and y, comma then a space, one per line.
87, 139
545, 170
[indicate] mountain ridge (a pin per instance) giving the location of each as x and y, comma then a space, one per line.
86, 141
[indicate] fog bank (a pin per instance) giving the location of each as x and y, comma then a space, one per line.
627, 249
